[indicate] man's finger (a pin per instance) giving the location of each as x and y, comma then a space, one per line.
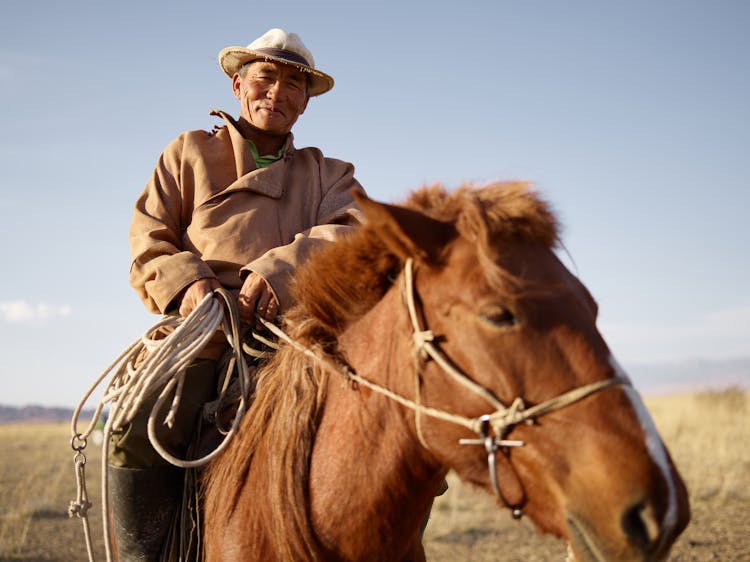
246, 308
272, 308
262, 304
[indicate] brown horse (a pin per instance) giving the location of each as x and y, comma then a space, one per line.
411, 337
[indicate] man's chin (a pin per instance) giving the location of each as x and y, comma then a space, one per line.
271, 127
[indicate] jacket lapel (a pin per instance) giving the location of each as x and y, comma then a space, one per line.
267, 181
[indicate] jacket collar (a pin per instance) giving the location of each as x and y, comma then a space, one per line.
268, 181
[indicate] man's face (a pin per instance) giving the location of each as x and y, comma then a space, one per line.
272, 96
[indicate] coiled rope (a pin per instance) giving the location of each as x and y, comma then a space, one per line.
131, 383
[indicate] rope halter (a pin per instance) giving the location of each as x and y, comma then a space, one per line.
493, 427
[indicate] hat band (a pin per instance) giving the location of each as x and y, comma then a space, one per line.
291, 56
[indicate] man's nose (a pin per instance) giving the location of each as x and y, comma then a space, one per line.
275, 90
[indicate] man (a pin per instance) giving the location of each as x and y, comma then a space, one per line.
239, 207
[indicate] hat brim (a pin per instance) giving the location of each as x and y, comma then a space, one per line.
231, 60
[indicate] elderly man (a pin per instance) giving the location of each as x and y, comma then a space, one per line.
238, 207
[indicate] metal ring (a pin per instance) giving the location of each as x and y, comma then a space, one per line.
78, 437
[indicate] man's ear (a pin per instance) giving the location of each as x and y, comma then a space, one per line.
236, 85
406, 232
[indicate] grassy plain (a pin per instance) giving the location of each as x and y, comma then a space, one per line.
708, 435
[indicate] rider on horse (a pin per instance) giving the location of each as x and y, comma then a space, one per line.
239, 207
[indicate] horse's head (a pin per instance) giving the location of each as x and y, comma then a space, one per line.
510, 325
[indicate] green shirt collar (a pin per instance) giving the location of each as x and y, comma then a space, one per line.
268, 159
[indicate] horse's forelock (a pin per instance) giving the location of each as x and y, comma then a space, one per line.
495, 213
493, 217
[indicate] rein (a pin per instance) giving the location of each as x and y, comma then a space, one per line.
491, 428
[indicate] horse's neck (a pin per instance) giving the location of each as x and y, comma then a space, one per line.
372, 481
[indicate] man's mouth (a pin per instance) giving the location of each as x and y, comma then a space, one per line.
272, 110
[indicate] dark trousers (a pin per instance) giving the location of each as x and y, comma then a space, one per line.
131, 448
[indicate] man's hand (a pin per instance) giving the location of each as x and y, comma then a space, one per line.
256, 295
195, 293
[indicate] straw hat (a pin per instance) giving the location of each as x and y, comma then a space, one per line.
279, 46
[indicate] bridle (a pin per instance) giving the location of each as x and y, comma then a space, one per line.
491, 428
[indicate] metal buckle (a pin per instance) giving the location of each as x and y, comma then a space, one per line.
492, 444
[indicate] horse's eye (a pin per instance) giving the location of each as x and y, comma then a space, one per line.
498, 316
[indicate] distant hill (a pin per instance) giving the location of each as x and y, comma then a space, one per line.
690, 375
35, 414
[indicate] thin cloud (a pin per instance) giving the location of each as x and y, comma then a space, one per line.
23, 312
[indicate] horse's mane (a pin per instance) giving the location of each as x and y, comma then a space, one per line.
336, 286
345, 280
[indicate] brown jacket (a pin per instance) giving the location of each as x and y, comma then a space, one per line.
208, 212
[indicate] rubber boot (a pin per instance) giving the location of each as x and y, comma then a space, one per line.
144, 502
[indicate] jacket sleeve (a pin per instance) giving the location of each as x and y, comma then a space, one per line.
160, 268
337, 215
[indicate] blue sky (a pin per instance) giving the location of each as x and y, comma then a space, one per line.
632, 118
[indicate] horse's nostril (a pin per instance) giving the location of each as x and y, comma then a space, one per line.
641, 525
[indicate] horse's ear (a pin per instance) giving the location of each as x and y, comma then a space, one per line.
406, 232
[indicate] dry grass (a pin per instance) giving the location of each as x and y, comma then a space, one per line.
708, 435
36, 484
